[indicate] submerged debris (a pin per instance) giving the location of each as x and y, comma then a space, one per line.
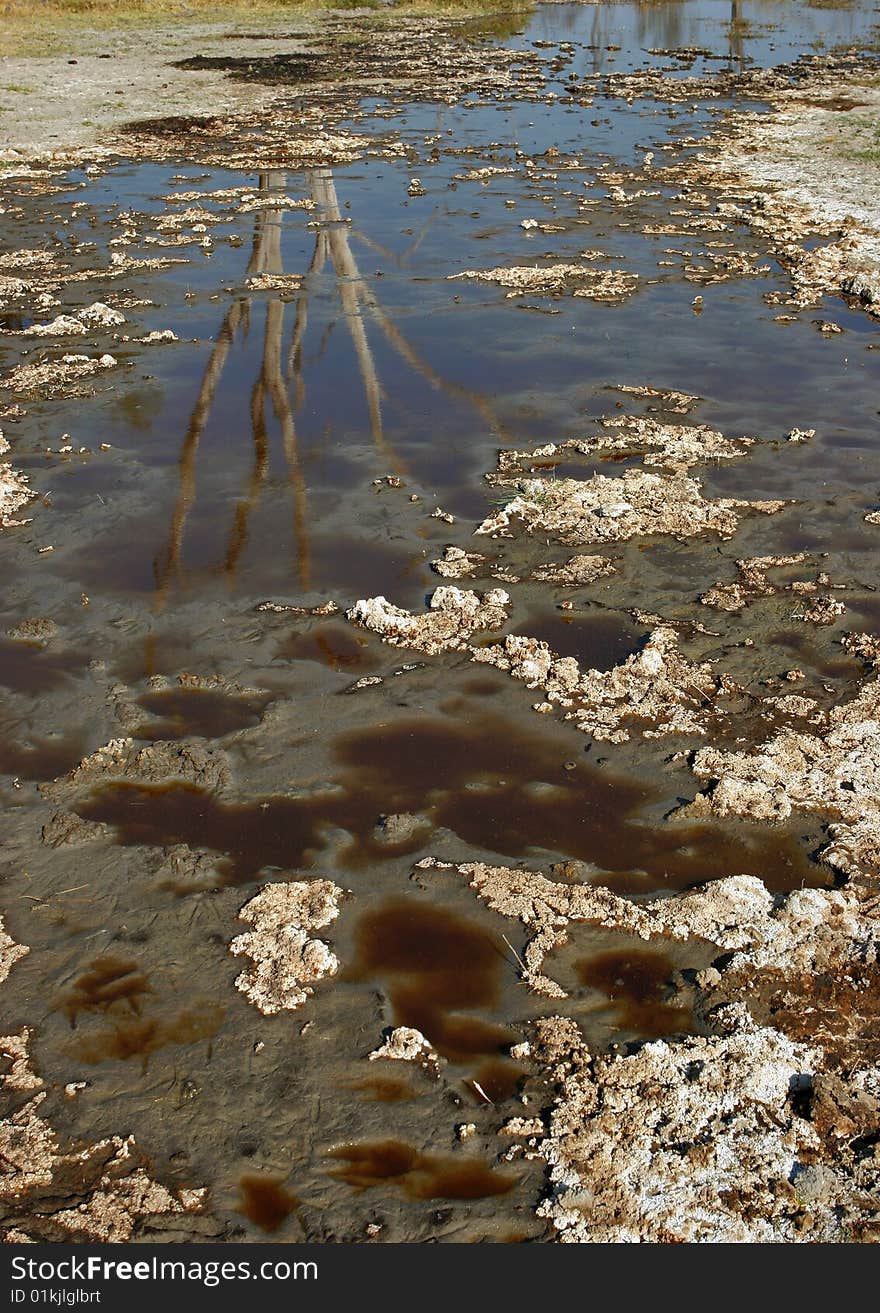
603, 509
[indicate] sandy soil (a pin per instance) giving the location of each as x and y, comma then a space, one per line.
104, 79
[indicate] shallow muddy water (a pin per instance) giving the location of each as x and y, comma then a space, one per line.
294, 445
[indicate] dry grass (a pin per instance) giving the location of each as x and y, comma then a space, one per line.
94, 13
51, 27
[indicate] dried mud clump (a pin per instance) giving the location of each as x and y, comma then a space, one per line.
864, 646
10, 952
274, 283
695, 1140
835, 775
81, 1192
821, 610
191, 762
454, 616
668, 446
456, 563
656, 689
800, 171
405, 1044
66, 829
668, 398
577, 570
287, 960
14, 490
611, 285
56, 377
753, 582
603, 509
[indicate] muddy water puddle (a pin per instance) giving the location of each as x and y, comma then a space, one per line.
436, 968
598, 640
333, 645
179, 713
32, 757
116, 1014
499, 787
32, 668
637, 984
324, 436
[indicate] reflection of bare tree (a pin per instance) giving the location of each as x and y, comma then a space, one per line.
270, 385
353, 294
735, 33
357, 298
272, 389
265, 258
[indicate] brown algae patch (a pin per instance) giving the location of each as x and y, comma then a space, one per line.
142, 1036
106, 982
419, 1175
265, 1201
200, 712
502, 787
437, 969
331, 645
496, 1080
383, 1089
637, 984
32, 667
41, 759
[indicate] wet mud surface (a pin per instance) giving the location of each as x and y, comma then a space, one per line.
443, 504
